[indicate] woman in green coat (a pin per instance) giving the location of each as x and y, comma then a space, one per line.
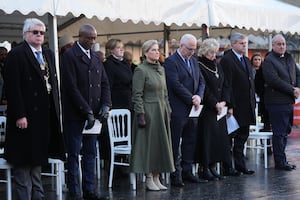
152, 149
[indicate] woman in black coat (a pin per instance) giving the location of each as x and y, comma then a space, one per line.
256, 61
119, 73
213, 145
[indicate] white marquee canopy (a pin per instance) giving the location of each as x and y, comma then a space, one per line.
264, 15
271, 15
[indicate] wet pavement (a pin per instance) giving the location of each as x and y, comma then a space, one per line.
264, 184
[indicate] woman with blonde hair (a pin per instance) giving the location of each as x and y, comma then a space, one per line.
213, 145
152, 148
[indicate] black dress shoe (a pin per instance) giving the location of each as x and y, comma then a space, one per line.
286, 167
231, 172
293, 166
176, 182
216, 174
207, 175
246, 171
74, 196
93, 196
191, 178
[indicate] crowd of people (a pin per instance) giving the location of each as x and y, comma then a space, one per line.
160, 93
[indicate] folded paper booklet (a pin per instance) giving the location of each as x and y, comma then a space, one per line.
223, 113
297, 100
232, 124
194, 112
96, 129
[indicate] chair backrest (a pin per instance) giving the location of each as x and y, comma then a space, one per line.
2, 130
3, 109
119, 127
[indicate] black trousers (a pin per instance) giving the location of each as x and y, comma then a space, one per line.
281, 118
237, 140
185, 129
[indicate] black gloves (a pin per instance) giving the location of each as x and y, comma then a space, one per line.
103, 113
90, 120
141, 120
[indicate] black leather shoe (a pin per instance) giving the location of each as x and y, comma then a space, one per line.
176, 182
73, 196
207, 175
293, 166
246, 171
191, 178
93, 196
216, 174
286, 167
231, 172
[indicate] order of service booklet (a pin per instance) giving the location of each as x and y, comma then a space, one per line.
96, 129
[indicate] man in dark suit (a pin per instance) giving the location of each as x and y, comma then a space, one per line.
33, 129
239, 74
186, 88
86, 96
282, 87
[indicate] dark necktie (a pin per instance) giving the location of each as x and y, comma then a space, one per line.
243, 63
188, 66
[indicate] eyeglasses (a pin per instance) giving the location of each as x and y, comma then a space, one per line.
189, 49
35, 32
280, 44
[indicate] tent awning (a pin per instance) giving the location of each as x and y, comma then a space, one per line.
270, 15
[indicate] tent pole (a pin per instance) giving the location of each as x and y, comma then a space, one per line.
270, 41
53, 44
166, 40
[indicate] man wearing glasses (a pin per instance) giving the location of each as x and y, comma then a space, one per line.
33, 131
185, 87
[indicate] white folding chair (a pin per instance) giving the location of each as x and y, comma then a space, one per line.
119, 128
3, 163
257, 136
98, 160
7, 167
3, 109
57, 171
2, 133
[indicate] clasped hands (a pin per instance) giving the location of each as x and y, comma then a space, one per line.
102, 116
296, 92
220, 106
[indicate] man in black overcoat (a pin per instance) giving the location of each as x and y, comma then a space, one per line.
33, 129
240, 77
86, 96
